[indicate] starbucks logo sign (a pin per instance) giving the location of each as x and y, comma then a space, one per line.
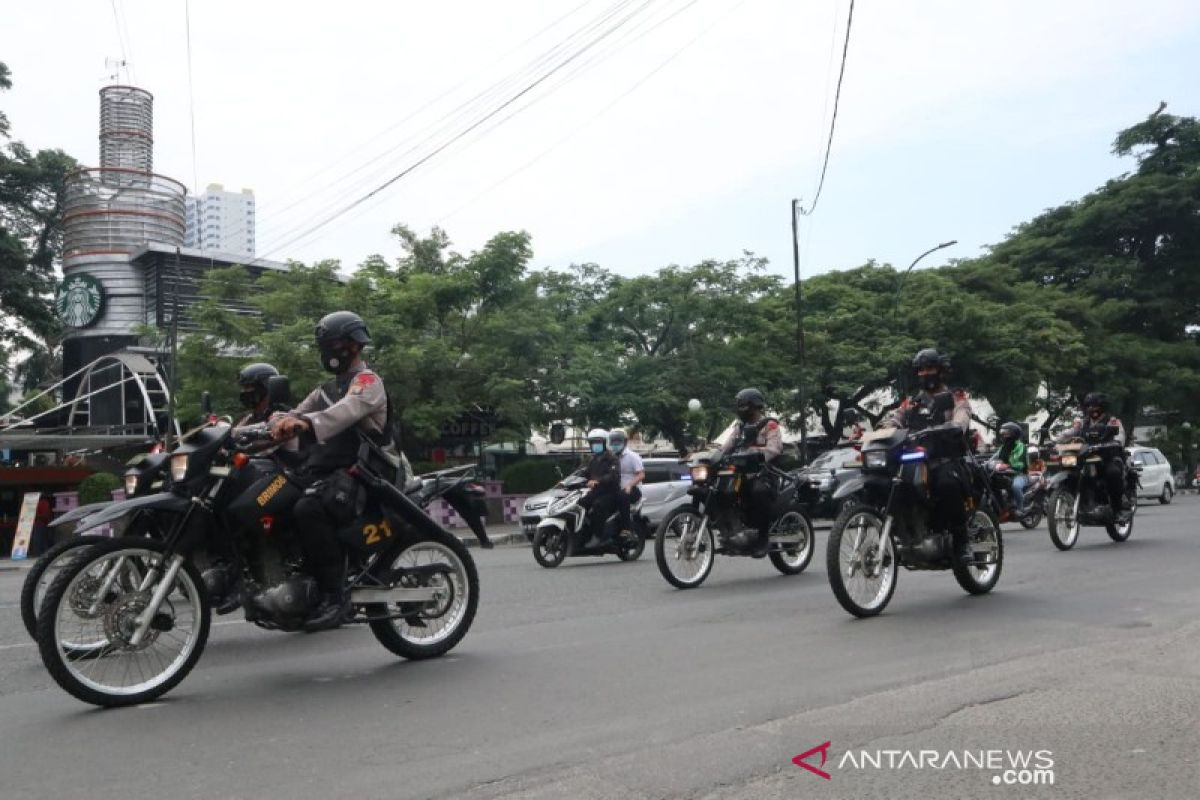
79, 300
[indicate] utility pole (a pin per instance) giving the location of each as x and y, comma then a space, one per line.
173, 373
799, 333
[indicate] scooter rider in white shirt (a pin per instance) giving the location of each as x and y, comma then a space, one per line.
633, 472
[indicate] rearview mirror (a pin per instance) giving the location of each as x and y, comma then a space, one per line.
279, 390
205, 403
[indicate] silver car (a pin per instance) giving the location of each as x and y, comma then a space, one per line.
665, 487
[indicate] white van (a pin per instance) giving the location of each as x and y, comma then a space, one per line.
1157, 479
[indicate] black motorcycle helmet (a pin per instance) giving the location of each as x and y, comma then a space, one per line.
747, 401
1010, 431
1095, 404
340, 337
253, 382
930, 358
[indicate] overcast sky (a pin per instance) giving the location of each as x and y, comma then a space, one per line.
958, 119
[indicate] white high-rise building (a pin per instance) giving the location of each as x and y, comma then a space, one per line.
222, 221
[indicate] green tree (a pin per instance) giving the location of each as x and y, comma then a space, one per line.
31, 196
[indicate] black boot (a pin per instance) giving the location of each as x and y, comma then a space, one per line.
224, 586
332, 611
762, 544
962, 549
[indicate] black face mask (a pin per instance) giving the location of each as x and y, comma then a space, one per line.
745, 413
336, 358
248, 398
931, 382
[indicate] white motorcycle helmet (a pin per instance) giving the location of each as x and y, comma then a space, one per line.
597, 436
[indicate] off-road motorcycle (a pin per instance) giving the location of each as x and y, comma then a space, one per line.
1078, 495
717, 521
893, 525
148, 475
140, 609
565, 530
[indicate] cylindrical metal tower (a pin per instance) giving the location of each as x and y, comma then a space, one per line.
127, 128
109, 213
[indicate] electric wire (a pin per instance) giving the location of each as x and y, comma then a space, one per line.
464, 132
464, 111
356, 151
833, 120
573, 132
465, 114
187, 22
120, 39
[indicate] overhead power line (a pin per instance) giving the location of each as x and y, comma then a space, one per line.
630, 90
833, 119
532, 85
450, 121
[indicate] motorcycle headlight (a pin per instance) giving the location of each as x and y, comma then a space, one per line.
875, 459
131, 485
699, 473
1070, 461
179, 465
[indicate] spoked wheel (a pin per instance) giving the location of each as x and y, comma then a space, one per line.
631, 549
430, 629
1032, 517
987, 543
1062, 522
44, 571
684, 548
107, 595
549, 546
795, 555
1121, 532
860, 561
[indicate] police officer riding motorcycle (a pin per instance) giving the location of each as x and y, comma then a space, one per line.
923, 501
1094, 485
755, 508
328, 423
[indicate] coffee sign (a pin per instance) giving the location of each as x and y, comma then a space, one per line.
80, 300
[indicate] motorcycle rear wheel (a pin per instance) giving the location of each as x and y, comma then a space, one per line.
1061, 519
793, 560
985, 535
1121, 533
685, 555
429, 633
632, 549
549, 547
857, 545
164, 657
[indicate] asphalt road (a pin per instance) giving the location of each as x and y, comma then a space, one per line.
598, 680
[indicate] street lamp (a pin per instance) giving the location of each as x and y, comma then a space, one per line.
904, 275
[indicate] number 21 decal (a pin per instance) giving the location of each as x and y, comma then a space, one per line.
373, 534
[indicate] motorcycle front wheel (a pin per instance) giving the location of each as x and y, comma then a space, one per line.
1121, 532
860, 561
1061, 519
432, 628
549, 546
983, 532
44, 571
684, 548
119, 580
795, 557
